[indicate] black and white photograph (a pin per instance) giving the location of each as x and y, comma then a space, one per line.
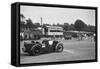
56, 34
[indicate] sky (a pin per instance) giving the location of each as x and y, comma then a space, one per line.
54, 15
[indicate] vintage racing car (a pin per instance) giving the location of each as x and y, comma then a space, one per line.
36, 48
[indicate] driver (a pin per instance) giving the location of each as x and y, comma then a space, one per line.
51, 40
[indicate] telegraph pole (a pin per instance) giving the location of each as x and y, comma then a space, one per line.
41, 26
41, 21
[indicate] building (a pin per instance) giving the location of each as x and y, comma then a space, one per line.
53, 31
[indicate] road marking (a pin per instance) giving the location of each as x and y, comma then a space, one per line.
70, 51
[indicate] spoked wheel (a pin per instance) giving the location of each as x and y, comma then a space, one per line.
36, 50
59, 48
24, 49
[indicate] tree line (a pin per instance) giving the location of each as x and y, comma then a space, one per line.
78, 25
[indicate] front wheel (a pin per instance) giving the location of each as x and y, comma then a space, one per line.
59, 48
35, 50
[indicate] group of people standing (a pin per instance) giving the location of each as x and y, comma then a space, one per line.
87, 37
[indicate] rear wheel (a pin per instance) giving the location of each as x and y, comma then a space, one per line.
35, 50
59, 48
24, 49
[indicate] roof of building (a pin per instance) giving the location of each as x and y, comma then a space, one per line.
54, 27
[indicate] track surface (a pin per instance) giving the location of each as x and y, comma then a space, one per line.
73, 50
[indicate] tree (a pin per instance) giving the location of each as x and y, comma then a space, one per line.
22, 16
54, 25
37, 24
22, 22
79, 25
47, 24
66, 26
90, 28
71, 27
29, 24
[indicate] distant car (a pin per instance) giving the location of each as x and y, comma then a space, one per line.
67, 37
36, 48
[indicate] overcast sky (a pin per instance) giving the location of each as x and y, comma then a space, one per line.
56, 15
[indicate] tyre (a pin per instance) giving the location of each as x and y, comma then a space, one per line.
35, 50
59, 48
24, 49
